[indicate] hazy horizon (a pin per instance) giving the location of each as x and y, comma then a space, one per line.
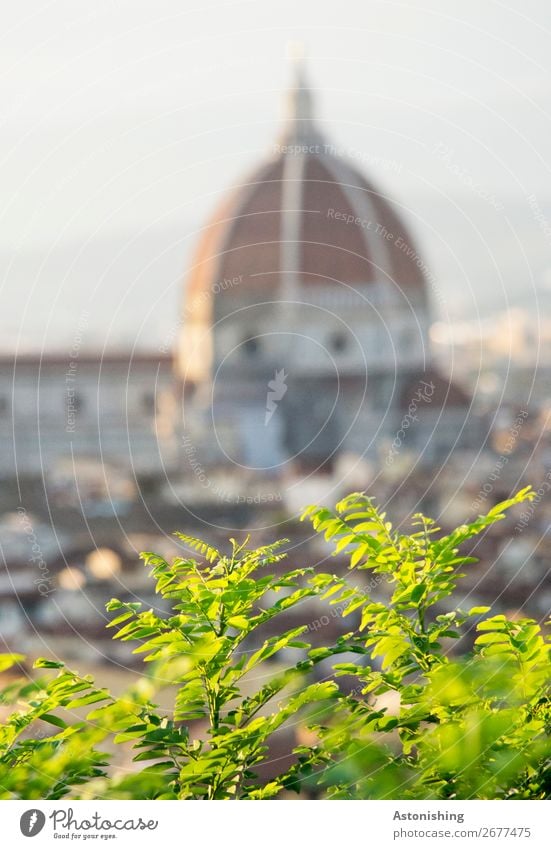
127, 122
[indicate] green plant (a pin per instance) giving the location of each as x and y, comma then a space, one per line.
470, 724
474, 726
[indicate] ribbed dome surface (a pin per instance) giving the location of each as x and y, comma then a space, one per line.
342, 231
308, 212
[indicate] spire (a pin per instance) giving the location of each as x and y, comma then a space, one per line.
300, 108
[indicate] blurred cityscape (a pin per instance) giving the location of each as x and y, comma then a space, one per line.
310, 360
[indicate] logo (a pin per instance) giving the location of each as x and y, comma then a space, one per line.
276, 390
32, 822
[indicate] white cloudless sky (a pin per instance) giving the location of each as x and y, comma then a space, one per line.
123, 121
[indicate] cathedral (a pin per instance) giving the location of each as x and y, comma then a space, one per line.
304, 338
306, 317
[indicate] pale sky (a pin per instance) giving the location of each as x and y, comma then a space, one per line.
123, 121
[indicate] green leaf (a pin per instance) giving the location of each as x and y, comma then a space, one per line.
9, 660
44, 663
418, 591
240, 622
492, 637
53, 720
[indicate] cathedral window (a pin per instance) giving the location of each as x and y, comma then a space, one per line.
250, 346
149, 404
338, 342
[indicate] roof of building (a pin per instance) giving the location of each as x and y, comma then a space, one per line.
436, 389
306, 212
106, 359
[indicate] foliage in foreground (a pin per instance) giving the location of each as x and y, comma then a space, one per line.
387, 711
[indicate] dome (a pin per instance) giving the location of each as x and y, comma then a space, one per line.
305, 217
342, 224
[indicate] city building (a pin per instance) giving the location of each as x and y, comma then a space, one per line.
304, 337
306, 318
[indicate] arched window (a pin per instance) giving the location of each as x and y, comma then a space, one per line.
149, 404
251, 345
338, 342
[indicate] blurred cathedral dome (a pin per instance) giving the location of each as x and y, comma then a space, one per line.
305, 218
